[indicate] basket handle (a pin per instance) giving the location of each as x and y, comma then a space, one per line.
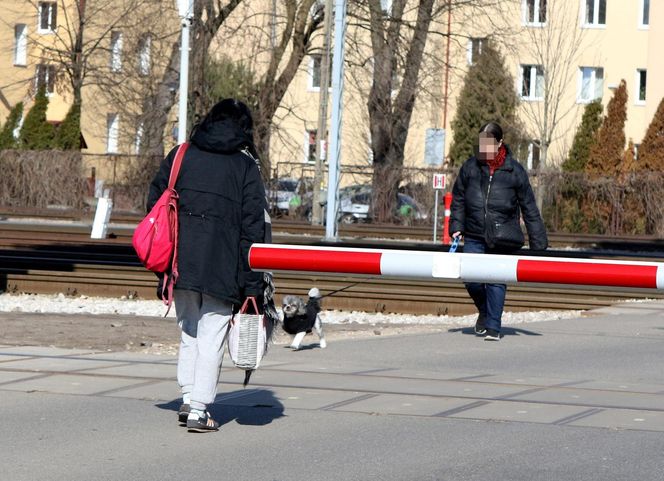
245, 306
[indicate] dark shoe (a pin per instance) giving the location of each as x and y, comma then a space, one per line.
201, 424
183, 413
492, 335
480, 330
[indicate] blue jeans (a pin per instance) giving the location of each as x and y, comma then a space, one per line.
488, 298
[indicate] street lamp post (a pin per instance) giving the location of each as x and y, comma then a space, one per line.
186, 13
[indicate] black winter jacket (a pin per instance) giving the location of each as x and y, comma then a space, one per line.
221, 212
509, 196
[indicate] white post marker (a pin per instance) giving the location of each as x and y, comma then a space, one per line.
102, 216
438, 184
465, 267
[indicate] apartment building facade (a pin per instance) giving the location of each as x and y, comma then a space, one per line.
615, 39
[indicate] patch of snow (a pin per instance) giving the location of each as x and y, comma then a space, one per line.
61, 304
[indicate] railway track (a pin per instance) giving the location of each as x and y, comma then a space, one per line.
47, 258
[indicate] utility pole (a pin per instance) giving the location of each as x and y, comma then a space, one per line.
321, 134
186, 12
336, 121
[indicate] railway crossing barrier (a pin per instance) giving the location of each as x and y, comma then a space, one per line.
491, 268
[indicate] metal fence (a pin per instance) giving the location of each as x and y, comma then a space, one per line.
572, 202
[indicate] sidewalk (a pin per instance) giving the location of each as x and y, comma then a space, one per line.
586, 394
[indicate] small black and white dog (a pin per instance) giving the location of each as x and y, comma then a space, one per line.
300, 318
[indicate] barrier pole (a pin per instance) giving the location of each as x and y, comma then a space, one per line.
465, 267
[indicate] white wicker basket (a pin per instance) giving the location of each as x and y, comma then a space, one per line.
247, 339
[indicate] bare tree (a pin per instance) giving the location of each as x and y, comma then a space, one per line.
553, 41
209, 16
293, 39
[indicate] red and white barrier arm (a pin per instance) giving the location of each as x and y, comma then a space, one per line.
466, 267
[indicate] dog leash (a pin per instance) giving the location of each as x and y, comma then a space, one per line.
455, 244
347, 287
453, 248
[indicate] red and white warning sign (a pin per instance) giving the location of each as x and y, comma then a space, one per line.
439, 181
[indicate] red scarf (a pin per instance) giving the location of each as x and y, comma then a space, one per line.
498, 160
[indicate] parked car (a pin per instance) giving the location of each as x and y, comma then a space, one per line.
280, 193
355, 202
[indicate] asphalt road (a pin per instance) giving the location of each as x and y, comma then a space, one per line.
579, 399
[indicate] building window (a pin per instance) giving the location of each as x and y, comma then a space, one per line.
532, 82
20, 44
310, 142
641, 76
138, 142
533, 12
144, 47
591, 83
644, 14
116, 51
386, 6
48, 17
45, 77
315, 72
475, 49
595, 13
112, 133
533, 159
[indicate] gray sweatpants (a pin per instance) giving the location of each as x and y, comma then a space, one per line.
204, 323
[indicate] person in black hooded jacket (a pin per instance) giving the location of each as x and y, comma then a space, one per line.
221, 214
490, 194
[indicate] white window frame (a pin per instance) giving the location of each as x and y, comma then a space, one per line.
140, 133
48, 81
112, 133
537, 5
533, 146
144, 55
637, 86
642, 11
20, 44
469, 48
593, 85
116, 51
52, 22
310, 77
595, 21
532, 72
370, 155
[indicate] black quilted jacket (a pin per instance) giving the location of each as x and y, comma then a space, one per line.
505, 195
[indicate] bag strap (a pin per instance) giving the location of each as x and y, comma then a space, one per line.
171, 277
177, 163
245, 306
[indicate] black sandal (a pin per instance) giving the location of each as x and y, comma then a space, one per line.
203, 424
183, 413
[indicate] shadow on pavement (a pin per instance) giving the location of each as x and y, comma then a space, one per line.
255, 407
505, 331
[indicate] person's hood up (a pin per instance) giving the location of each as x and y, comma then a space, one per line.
223, 136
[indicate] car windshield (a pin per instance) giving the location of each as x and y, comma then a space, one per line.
287, 184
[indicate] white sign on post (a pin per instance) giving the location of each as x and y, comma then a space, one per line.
185, 8
438, 181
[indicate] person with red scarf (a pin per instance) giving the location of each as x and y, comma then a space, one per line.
490, 195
